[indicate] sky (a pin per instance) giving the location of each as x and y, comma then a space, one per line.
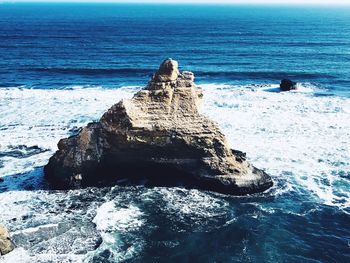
322, 2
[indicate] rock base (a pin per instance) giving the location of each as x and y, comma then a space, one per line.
157, 138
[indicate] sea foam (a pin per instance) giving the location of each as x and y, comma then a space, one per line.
297, 137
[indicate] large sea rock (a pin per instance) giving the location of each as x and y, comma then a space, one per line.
158, 137
6, 245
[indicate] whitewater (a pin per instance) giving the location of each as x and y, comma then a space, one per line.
300, 138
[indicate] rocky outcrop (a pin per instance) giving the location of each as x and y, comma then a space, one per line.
168, 71
287, 84
6, 245
158, 137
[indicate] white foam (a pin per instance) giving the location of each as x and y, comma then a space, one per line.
296, 137
20, 255
197, 203
114, 222
305, 88
11, 205
34, 117
110, 218
202, 210
27, 213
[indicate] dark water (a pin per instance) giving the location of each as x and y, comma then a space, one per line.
80, 59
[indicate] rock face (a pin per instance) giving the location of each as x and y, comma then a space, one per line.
168, 71
287, 84
6, 245
156, 138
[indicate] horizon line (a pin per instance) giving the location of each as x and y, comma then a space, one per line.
182, 2
291, 5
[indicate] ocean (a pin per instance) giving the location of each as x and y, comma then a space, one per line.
63, 65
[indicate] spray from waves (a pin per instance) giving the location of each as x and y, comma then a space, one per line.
295, 136
301, 88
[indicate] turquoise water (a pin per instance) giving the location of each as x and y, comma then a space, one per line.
63, 65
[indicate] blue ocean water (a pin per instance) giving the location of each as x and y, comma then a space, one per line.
46, 46
63, 65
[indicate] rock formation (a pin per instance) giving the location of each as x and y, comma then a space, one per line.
156, 138
287, 84
6, 245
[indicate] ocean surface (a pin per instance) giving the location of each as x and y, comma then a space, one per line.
63, 65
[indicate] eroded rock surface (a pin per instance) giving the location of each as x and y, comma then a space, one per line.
158, 138
6, 245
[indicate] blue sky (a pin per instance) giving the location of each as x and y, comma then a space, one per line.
326, 2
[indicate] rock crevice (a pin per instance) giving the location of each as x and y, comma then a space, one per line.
159, 138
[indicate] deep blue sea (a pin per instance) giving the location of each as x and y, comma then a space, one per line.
63, 65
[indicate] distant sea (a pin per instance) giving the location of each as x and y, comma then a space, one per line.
63, 65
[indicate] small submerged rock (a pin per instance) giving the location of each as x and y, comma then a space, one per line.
287, 84
159, 138
6, 245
